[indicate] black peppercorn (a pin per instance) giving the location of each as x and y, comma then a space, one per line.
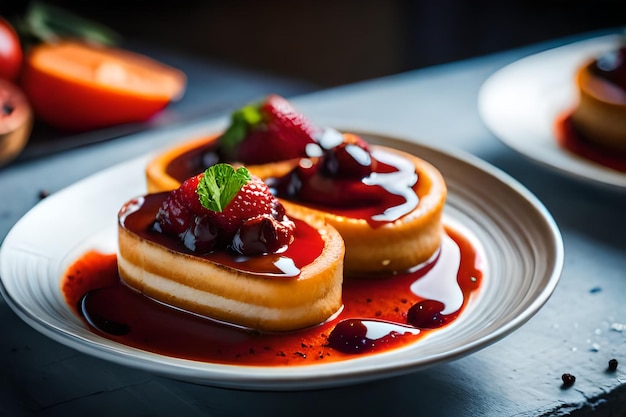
568, 379
612, 365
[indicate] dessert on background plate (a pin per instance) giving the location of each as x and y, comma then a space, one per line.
596, 127
601, 111
527, 105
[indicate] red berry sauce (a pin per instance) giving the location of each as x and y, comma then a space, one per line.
571, 139
387, 192
390, 193
194, 161
138, 216
375, 316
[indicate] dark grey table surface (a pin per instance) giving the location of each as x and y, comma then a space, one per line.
580, 328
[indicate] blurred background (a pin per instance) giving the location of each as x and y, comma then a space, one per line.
333, 42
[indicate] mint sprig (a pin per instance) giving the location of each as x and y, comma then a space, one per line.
220, 184
241, 122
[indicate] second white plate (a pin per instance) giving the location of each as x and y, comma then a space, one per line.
520, 103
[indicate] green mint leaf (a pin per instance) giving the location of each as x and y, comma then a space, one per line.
220, 184
241, 122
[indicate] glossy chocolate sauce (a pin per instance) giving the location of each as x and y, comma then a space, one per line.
373, 319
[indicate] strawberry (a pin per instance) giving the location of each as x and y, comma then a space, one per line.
176, 214
268, 132
286, 124
252, 200
220, 204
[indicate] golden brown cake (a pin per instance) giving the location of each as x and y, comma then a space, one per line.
296, 287
390, 247
393, 246
185, 157
600, 114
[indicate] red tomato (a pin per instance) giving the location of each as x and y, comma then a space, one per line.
11, 54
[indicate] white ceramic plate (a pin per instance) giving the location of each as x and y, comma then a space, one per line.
520, 103
516, 237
